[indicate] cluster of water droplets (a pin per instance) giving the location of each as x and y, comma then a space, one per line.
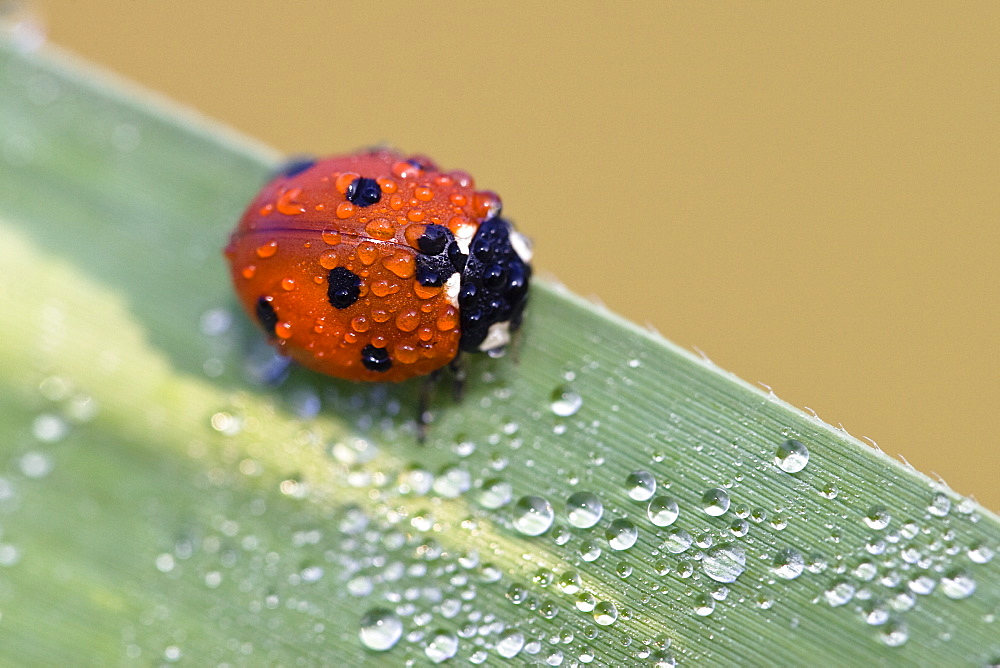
63, 408
706, 541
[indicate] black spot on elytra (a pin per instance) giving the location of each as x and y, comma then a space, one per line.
266, 315
439, 257
375, 359
364, 192
494, 284
344, 287
433, 240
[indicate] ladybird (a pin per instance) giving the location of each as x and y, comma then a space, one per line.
376, 266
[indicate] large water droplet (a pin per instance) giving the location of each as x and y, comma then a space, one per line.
570, 582
49, 428
922, 584
789, 564
791, 456
663, 511
704, 605
724, 563
510, 643
441, 646
605, 613
380, 629
677, 541
621, 534
590, 550
452, 482
894, 633
533, 515
839, 593
495, 493
640, 485
715, 501
584, 510
565, 402
939, 506
958, 584
981, 553
878, 517
874, 612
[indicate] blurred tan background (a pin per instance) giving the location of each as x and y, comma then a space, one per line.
810, 195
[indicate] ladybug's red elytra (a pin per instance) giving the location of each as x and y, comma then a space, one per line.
379, 267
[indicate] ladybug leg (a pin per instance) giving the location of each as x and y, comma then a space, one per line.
266, 366
516, 340
459, 373
427, 387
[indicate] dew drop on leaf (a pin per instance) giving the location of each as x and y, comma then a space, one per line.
510, 643
957, 584
724, 563
441, 646
584, 510
788, 564
791, 456
380, 629
715, 501
605, 613
565, 402
533, 515
662, 511
640, 485
621, 534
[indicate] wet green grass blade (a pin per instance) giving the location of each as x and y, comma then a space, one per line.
157, 506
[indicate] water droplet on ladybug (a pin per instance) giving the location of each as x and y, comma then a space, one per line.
267, 250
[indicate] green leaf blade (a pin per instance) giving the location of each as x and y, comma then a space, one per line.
189, 513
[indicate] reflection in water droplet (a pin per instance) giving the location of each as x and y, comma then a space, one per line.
621, 534
791, 456
724, 563
789, 564
565, 402
957, 584
640, 485
662, 511
584, 510
441, 646
380, 629
533, 515
715, 502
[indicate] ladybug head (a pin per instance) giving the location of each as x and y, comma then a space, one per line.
494, 288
